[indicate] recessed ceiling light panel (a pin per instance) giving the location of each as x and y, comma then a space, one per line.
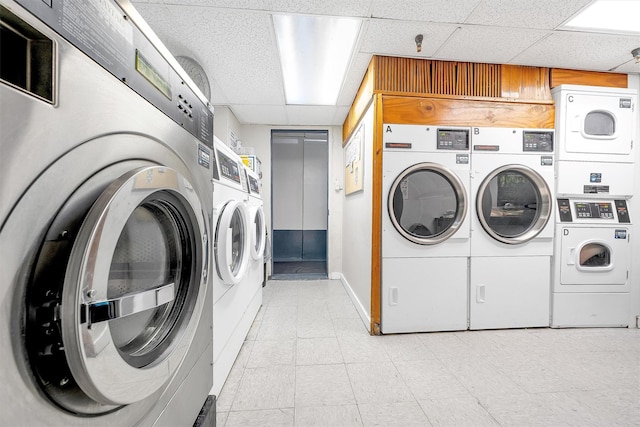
611, 16
315, 52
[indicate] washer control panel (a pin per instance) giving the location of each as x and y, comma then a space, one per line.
452, 139
599, 211
229, 167
539, 141
603, 210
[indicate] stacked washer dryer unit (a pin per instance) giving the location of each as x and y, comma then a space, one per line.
236, 300
104, 221
512, 234
425, 228
597, 148
257, 227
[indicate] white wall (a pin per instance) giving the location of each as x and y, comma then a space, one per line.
225, 123
259, 137
634, 211
357, 223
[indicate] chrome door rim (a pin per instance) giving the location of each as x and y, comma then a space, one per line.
93, 359
257, 246
544, 210
224, 258
461, 205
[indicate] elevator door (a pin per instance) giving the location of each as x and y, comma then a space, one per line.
299, 203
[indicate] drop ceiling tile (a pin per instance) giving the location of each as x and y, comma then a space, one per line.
218, 93
231, 4
353, 79
488, 44
582, 51
339, 115
455, 11
304, 115
260, 114
542, 14
397, 38
356, 8
629, 67
235, 48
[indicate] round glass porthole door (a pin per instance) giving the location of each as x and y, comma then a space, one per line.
120, 307
600, 124
594, 256
258, 232
232, 242
513, 204
427, 203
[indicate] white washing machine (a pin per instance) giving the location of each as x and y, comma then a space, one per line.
236, 299
231, 232
511, 231
592, 263
257, 226
596, 130
425, 228
105, 221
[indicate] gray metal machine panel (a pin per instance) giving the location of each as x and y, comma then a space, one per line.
102, 30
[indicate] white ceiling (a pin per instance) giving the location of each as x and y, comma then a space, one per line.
234, 41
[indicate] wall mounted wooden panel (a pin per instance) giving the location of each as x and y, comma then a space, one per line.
376, 220
560, 76
423, 76
360, 103
526, 83
467, 112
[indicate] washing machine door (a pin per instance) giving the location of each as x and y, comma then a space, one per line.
258, 232
595, 256
598, 124
513, 204
232, 242
132, 293
427, 203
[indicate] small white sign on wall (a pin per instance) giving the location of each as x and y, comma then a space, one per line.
353, 171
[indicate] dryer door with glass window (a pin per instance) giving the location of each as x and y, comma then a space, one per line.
598, 123
111, 319
232, 243
427, 203
594, 256
258, 232
513, 204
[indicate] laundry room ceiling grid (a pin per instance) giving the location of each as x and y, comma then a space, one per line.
234, 41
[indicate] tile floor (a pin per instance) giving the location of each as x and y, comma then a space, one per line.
309, 361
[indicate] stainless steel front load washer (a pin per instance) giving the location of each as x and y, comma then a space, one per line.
105, 220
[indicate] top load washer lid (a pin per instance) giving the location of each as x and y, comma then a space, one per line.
427, 203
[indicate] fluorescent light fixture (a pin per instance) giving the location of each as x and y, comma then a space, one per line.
611, 16
314, 52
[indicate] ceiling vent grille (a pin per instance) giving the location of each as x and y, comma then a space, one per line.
422, 76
